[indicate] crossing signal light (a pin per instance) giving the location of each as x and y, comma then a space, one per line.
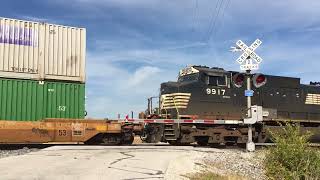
238, 80
259, 80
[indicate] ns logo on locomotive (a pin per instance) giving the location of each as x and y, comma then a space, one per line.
216, 94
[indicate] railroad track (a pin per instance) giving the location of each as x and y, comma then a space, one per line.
42, 146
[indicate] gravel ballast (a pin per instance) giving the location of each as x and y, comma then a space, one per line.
234, 162
16, 152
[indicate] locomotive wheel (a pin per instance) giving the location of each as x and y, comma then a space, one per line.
202, 141
215, 145
177, 143
262, 137
153, 133
242, 145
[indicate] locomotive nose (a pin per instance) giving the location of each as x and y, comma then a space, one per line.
169, 87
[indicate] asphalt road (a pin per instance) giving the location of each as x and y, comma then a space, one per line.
103, 162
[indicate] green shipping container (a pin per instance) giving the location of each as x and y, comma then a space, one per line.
29, 100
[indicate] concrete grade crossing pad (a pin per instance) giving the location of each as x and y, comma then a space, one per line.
103, 162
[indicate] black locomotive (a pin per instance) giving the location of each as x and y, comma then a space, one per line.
214, 93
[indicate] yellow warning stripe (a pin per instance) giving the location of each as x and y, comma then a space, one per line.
313, 99
175, 100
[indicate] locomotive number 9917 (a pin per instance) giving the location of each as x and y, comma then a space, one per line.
214, 91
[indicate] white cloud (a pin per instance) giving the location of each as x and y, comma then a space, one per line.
36, 19
143, 74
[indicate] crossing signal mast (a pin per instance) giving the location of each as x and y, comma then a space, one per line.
248, 61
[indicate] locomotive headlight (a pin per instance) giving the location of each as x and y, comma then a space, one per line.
259, 80
238, 80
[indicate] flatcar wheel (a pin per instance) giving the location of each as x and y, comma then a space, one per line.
128, 140
127, 136
111, 140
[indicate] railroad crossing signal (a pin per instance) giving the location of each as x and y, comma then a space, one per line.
246, 60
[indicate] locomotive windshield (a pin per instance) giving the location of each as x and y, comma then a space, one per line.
189, 77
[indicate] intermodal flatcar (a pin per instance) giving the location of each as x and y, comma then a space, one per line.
98, 132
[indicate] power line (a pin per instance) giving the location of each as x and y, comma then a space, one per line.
223, 12
222, 17
211, 19
195, 14
214, 21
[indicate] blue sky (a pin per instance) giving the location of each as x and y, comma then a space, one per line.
134, 45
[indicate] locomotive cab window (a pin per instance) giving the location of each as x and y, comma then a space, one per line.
217, 80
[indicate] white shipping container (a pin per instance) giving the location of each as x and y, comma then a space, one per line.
36, 50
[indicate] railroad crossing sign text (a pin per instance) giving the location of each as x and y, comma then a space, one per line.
249, 60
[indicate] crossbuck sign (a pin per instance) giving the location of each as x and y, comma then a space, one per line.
249, 60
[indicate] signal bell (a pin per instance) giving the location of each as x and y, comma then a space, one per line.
259, 80
238, 80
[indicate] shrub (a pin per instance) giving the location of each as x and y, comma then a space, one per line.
291, 158
207, 175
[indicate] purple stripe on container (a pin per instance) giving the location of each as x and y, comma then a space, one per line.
16, 35
30, 37
8, 29
26, 33
1, 32
20, 35
26, 40
11, 35
6, 34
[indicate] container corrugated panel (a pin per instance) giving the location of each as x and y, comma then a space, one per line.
29, 100
34, 50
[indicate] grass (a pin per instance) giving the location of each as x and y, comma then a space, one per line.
212, 176
291, 158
